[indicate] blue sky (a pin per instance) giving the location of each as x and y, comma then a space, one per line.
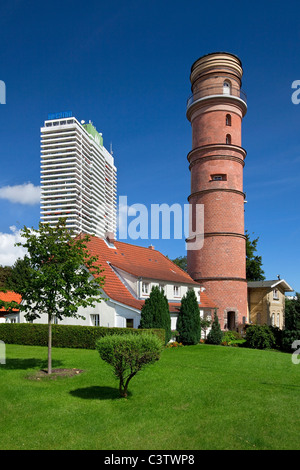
126, 66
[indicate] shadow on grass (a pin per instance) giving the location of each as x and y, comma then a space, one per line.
97, 393
283, 386
29, 363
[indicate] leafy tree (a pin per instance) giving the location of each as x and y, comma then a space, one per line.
188, 322
129, 354
291, 332
215, 334
59, 269
254, 271
181, 261
204, 324
5, 272
155, 312
20, 275
292, 313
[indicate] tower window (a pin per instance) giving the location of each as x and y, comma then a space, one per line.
228, 120
219, 177
226, 87
228, 139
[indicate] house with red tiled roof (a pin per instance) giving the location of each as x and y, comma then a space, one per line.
9, 297
130, 272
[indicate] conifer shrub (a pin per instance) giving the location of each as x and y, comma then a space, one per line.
215, 335
188, 322
155, 312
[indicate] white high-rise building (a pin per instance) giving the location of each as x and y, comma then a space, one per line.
78, 176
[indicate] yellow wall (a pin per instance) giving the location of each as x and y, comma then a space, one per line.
262, 306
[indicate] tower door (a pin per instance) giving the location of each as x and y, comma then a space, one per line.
231, 320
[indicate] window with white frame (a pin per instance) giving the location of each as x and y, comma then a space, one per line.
278, 320
176, 291
95, 319
275, 294
145, 288
273, 319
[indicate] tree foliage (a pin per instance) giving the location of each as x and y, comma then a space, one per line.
181, 261
291, 331
188, 321
254, 271
19, 276
215, 335
260, 337
292, 313
155, 312
128, 355
61, 276
5, 273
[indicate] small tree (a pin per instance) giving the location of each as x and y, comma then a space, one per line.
215, 334
188, 322
59, 276
254, 271
204, 323
128, 354
155, 312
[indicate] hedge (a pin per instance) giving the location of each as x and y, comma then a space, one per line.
63, 336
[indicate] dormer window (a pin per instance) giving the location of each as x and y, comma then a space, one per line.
145, 287
176, 291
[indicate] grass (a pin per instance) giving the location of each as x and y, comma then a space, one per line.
195, 397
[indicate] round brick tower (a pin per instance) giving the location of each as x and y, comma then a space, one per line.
215, 110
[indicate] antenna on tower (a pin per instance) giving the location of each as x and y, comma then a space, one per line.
111, 150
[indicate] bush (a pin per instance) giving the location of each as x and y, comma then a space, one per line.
188, 321
155, 312
232, 338
260, 337
64, 336
288, 337
128, 355
215, 334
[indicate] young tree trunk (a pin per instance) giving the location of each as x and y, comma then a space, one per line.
49, 344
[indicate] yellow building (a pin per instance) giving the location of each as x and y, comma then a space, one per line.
266, 302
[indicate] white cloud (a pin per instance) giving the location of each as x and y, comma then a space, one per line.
9, 253
25, 193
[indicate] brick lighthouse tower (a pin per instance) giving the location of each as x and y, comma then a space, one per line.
215, 110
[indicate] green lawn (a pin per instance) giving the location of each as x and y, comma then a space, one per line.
196, 397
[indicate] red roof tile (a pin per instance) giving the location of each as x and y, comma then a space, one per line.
9, 297
140, 262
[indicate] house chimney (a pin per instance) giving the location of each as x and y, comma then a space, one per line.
110, 237
151, 247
